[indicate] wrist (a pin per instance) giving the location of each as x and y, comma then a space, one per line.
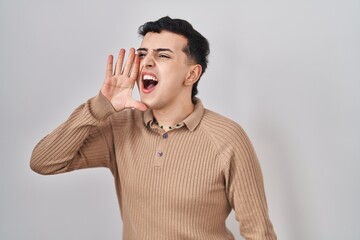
100, 107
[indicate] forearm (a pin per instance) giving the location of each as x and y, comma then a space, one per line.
81, 141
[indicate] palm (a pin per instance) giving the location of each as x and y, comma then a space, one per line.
119, 84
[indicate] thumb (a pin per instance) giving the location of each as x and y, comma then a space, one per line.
138, 105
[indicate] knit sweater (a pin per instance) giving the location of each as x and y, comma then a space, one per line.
180, 184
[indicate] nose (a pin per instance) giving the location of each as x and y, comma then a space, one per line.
148, 61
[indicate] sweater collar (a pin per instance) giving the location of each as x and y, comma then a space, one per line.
191, 122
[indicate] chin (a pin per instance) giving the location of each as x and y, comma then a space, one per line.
148, 102
153, 104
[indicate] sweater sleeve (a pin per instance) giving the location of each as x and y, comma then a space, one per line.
245, 188
84, 140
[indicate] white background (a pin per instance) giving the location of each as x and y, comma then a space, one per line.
287, 71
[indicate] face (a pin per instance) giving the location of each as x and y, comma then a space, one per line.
164, 69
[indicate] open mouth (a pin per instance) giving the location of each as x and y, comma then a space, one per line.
149, 82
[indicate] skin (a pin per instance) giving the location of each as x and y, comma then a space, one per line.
119, 83
160, 55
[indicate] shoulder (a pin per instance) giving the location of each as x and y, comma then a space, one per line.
224, 131
216, 122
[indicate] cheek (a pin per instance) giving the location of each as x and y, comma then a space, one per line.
173, 74
173, 82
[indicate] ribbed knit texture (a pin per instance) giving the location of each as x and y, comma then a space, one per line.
181, 185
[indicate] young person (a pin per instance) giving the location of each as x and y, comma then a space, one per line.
179, 169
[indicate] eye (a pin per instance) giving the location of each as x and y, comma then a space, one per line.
161, 55
141, 55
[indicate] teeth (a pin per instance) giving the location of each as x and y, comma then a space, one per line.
149, 77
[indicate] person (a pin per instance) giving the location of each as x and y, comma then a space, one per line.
179, 168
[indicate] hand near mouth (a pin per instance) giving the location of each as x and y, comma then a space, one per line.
119, 84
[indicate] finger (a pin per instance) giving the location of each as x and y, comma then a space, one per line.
119, 62
129, 62
109, 67
135, 67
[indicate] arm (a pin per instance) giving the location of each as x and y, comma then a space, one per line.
85, 139
80, 142
245, 189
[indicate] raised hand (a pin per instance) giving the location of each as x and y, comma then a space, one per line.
119, 84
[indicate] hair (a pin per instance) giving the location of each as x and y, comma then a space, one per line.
197, 48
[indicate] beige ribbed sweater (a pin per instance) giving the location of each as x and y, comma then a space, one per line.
176, 185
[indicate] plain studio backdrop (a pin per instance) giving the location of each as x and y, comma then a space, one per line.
286, 71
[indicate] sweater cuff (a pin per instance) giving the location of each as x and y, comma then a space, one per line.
100, 107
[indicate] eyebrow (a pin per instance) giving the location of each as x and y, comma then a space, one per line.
156, 50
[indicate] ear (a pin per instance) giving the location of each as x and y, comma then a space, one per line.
193, 75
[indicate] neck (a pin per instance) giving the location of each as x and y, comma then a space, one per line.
174, 114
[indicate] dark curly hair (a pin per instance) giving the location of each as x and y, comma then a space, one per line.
197, 48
